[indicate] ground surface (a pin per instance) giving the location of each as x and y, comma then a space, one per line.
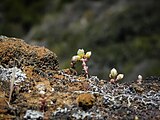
45, 92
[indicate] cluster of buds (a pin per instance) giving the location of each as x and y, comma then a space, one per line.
83, 57
114, 76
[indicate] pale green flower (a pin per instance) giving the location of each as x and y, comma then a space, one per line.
113, 73
88, 54
120, 76
80, 52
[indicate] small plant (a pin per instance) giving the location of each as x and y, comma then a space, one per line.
12, 85
139, 80
43, 101
81, 56
114, 76
43, 97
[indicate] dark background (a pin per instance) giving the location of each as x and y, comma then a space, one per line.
124, 34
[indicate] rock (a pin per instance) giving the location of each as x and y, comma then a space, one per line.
85, 101
66, 95
138, 88
2, 102
15, 52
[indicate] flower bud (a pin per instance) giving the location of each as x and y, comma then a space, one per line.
75, 58
88, 54
139, 77
80, 52
113, 73
120, 76
110, 76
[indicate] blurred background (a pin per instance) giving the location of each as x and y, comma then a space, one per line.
124, 34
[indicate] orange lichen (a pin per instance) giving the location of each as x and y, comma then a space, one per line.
85, 100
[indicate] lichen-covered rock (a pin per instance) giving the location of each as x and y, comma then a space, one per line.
16, 53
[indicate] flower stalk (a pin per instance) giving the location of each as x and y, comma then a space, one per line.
82, 57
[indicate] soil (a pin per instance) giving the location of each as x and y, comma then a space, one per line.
50, 93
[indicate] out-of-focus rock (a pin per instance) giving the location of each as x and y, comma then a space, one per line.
15, 52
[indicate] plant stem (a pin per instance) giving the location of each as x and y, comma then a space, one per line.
85, 67
12, 84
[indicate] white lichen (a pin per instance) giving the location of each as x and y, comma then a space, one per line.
6, 74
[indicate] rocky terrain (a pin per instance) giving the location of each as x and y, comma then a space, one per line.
43, 91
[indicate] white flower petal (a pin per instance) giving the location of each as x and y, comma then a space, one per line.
139, 77
75, 58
